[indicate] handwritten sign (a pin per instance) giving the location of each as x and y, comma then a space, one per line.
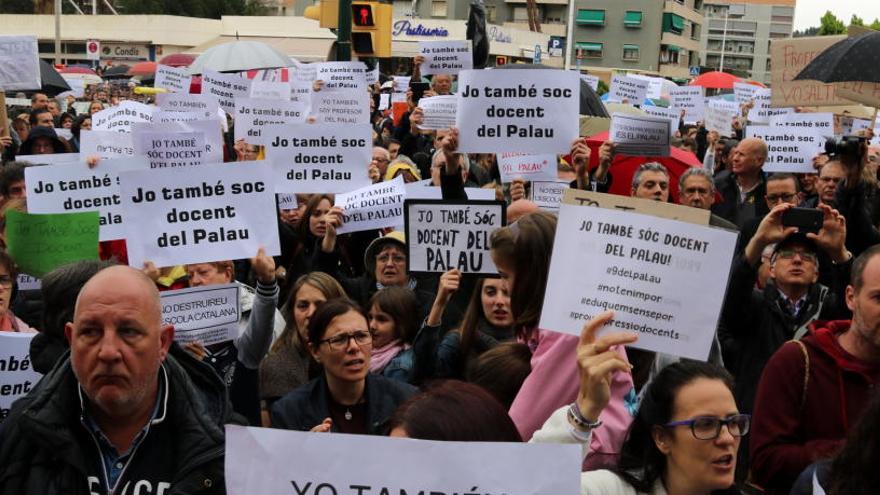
253, 116
527, 166
208, 315
19, 63
439, 112
628, 90
671, 114
373, 207
445, 57
789, 149
41, 243
744, 92
17, 375
640, 136
174, 79
548, 194
720, 121
591, 81
226, 88
790, 56
691, 100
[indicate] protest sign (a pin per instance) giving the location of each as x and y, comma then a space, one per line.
287, 201
400, 84
639, 136
372, 207
208, 315
659, 209
50, 159
174, 79
628, 90
439, 112
174, 217
164, 117
66, 189
301, 79
788, 149
762, 112
275, 90
384, 101
210, 129
424, 190
592, 81
171, 149
445, 57
253, 115
790, 56
77, 88
526, 166
226, 88
259, 460
64, 133
821, 123
721, 103
373, 75
851, 125
673, 115
655, 85
17, 375
27, 282
744, 92
529, 111
341, 107
19, 63
548, 194
444, 234
41, 243
315, 158
121, 117
866, 93
342, 76
664, 279
690, 99
720, 121
205, 104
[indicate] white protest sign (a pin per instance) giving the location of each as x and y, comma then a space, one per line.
821, 122
301, 80
17, 375
204, 104
724, 104
639, 136
628, 90
174, 79
526, 166
384, 101
851, 125
202, 314
373, 75
341, 107
253, 116
49, 159
664, 279
171, 149
445, 57
342, 76
77, 87
673, 115
720, 121
315, 158
120, 118
444, 234
27, 282
226, 88
690, 99
68, 189
655, 85
373, 207
287, 201
174, 216
400, 84
744, 92
19, 63
272, 461
548, 194
789, 149
210, 129
529, 111
164, 117
275, 90
439, 112
64, 133
592, 81
424, 190
761, 113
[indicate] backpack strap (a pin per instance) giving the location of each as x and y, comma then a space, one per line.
806, 371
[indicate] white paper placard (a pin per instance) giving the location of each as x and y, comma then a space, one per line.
174, 79
400, 84
820, 122
724, 104
274, 90
253, 116
342, 76
226, 88
384, 101
592, 81
49, 159
373, 207
761, 113
548, 194
105, 144
673, 115
639, 136
208, 314
720, 121
690, 99
284, 462
213, 144
529, 111
445, 57
64, 133
439, 112
445, 234
314, 158
174, 217
19, 63
165, 117
655, 85
789, 149
17, 375
341, 107
120, 118
77, 87
628, 90
205, 104
171, 149
664, 279
744, 92
527, 166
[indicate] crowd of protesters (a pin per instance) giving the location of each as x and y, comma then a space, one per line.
337, 336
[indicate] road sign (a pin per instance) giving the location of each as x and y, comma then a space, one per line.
695, 70
537, 58
93, 50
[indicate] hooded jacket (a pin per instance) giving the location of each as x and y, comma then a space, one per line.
46, 450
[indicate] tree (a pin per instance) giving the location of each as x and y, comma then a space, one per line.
875, 25
830, 25
856, 21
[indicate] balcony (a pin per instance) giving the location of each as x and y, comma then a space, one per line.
549, 28
680, 40
688, 13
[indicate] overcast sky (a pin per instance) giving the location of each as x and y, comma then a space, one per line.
808, 12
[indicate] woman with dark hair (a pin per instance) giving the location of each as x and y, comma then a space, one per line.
65, 121
501, 370
453, 411
8, 274
82, 122
346, 398
393, 316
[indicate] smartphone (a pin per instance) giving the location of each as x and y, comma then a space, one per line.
805, 219
418, 90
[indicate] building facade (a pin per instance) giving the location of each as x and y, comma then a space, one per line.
738, 33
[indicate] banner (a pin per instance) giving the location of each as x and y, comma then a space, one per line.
789, 149
639, 136
373, 207
226, 88
445, 57
41, 243
527, 166
253, 116
17, 375
208, 314
439, 112
19, 63
174, 79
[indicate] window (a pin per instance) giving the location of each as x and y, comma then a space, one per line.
590, 50
520, 14
491, 14
673, 23
438, 8
590, 17
632, 19
631, 53
669, 54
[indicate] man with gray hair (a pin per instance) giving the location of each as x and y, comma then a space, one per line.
651, 181
696, 188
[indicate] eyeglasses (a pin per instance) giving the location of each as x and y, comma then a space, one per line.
775, 198
788, 254
709, 427
385, 258
340, 341
694, 191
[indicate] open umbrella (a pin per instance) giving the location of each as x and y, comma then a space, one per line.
116, 72
51, 81
75, 69
177, 60
142, 69
853, 59
715, 80
237, 56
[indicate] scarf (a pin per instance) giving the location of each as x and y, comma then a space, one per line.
381, 356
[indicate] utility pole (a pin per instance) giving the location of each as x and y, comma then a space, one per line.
724, 38
58, 31
343, 32
569, 38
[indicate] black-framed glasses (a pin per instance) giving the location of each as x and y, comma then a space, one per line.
340, 341
789, 254
709, 427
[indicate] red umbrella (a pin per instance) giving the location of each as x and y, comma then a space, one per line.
77, 70
177, 60
624, 167
142, 69
715, 80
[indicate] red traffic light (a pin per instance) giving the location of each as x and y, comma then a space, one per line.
362, 14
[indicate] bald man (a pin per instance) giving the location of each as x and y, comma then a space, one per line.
743, 187
126, 412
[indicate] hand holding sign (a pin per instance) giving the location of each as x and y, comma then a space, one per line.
597, 361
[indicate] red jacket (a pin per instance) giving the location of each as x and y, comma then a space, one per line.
790, 433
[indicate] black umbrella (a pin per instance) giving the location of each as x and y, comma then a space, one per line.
476, 32
853, 59
51, 81
590, 103
116, 71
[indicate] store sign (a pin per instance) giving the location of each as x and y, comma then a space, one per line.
407, 28
125, 51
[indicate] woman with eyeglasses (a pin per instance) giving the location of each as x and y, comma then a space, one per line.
347, 398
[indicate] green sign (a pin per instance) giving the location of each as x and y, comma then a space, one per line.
41, 243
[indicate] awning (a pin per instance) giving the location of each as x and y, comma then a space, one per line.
673, 22
591, 17
632, 18
630, 47
590, 47
302, 49
672, 48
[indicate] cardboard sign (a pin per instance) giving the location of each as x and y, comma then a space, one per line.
283, 462
171, 149
204, 104
445, 57
664, 280
639, 136
341, 107
691, 100
253, 116
592, 81
19, 63
527, 166
342, 76
373, 207
439, 112
226, 88
208, 314
788, 149
548, 194
628, 90
529, 111
442, 235
790, 56
17, 375
121, 118
41, 243
175, 217
174, 79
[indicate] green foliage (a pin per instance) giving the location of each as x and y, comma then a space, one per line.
830, 25
875, 25
856, 21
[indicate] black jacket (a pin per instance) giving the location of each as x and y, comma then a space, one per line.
45, 449
730, 207
307, 406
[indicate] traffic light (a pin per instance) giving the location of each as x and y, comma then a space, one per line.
326, 12
371, 29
